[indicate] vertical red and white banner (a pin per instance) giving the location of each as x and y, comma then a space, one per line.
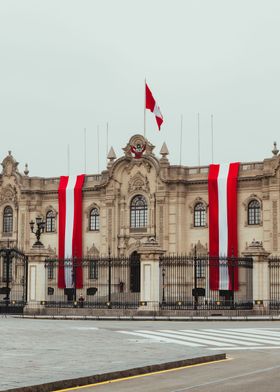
70, 231
222, 195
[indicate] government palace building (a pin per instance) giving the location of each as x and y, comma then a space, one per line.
151, 219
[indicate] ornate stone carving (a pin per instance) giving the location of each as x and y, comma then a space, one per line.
137, 146
9, 165
200, 249
138, 183
8, 195
93, 251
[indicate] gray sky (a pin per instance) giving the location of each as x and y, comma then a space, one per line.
68, 65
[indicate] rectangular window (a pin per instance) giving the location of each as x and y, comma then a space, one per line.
50, 271
5, 265
200, 268
93, 272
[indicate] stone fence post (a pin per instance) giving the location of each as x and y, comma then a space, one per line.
150, 278
36, 285
261, 281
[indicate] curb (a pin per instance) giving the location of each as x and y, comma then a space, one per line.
151, 318
76, 382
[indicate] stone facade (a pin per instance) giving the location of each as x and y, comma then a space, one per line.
171, 193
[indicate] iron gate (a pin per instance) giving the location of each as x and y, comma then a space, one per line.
13, 278
274, 282
107, 282
184, 283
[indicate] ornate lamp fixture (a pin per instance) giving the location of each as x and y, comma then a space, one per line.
39, 230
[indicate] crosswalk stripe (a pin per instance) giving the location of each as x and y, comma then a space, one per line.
271, 334
225, 339
188, 338
240, 336
149, 334
261, 335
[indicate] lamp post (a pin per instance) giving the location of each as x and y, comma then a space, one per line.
37, 231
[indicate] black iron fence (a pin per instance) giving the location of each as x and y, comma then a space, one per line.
13, 280
274, 282
184, 283
107, 282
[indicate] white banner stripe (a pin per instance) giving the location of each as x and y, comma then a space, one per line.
223, 224
69, 223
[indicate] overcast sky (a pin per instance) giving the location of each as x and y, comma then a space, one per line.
68, 65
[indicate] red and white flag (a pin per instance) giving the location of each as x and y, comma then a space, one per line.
153, 106
222, 194
70, 231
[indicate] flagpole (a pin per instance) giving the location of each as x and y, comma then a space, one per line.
198, 138
145, 109
212, 136
85, 148
107, 138
98, 148
181, 138
68, 159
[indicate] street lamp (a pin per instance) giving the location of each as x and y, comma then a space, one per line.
40, 229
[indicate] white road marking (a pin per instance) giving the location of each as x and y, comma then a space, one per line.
162, 339
241, 337
216, 338
222, 339
188, 338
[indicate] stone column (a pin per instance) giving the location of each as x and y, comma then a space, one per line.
36, 284
149, 292
261, 284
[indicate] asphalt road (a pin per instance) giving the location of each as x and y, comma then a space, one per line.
243, 372
41, 351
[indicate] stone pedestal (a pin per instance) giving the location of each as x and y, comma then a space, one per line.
261, 284
149, 296
36, 293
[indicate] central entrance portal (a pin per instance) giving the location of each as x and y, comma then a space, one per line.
135, 272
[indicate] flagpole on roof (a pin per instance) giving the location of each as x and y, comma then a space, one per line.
145, 108
198, 139
107, 137
212, 136
85, 148
181, 139
68, 159
98, 148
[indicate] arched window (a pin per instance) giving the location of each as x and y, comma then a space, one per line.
138, 212
254, 212
199, 215
8, 220
94, 220
50, 222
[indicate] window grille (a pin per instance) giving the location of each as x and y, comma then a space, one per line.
138, 212
94, 220
8, 220
254, 212
199, 215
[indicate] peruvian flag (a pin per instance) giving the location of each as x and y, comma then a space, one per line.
222, 195
153, 106
70, 231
